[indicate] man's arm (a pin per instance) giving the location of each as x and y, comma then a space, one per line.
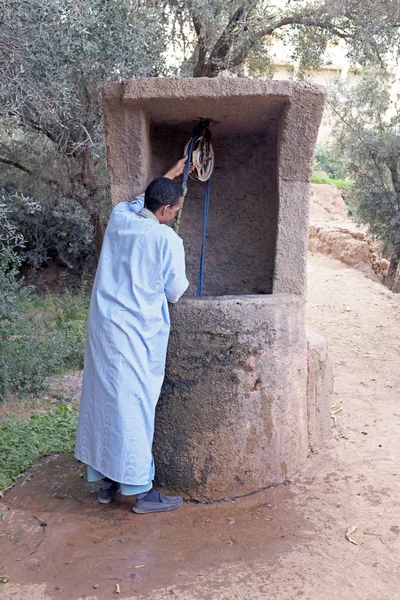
138, 203
177, 169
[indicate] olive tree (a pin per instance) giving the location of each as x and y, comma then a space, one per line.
55, 55
367, 126
217, 36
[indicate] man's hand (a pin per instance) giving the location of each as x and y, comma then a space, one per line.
178, 168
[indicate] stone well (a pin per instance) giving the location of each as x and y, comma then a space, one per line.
241, 403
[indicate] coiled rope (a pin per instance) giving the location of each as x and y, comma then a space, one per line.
205, 212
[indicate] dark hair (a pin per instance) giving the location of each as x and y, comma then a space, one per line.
160, 192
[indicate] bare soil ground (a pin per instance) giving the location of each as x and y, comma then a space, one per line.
286, 543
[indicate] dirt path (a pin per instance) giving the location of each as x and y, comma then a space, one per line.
287, 543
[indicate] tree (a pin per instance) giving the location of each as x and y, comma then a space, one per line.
10, 287
220, 36
55, 56
367, 117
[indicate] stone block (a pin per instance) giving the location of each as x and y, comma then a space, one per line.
264, 134
232, 417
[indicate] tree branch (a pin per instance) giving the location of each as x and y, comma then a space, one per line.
17, 165
307, 22
51, 136
224, 42
201, 46
394, 172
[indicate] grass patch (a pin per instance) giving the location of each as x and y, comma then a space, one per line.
47, 337
24, 441
341, 184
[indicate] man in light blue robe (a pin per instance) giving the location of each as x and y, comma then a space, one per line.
141, 269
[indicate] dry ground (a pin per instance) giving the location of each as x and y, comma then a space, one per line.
288, 543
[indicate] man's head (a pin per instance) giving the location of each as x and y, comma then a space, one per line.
163, 197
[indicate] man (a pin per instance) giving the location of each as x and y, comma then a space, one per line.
141, 269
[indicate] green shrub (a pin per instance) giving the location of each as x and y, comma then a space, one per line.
342, 184
23, 442
48, 337
330, 160
10, 288
59, 229
38, 335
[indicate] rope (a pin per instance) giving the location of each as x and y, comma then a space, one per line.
187, 164
205, 212
184, 183
203, 243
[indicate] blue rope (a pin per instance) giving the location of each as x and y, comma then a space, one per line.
203, 243
205, 213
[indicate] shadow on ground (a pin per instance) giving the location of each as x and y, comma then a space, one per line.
86, 549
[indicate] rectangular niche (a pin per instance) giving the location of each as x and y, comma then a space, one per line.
244, 205
264, 135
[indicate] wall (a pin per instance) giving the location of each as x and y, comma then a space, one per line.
242, 222
232, 416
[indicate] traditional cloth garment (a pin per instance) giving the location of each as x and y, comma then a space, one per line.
141, 267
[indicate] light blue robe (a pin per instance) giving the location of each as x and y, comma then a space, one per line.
141, 268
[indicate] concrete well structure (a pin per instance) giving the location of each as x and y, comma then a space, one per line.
241, 403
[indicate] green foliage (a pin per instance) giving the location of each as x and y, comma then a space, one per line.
61, 229
368, 127
38, 336
51, 82
341, 184
330, 160
47, 337
55, 56
217, 37
11, 292
23, 442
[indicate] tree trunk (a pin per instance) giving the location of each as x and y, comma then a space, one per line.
99, 229
391, 281
97, 219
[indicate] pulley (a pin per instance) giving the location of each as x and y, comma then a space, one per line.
202, 157
200, 154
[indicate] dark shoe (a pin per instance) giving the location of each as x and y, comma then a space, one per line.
154, 501
107, 492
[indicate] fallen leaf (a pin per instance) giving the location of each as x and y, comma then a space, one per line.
351, 530
335, 408
4, 580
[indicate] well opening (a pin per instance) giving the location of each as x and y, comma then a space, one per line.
243, 214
